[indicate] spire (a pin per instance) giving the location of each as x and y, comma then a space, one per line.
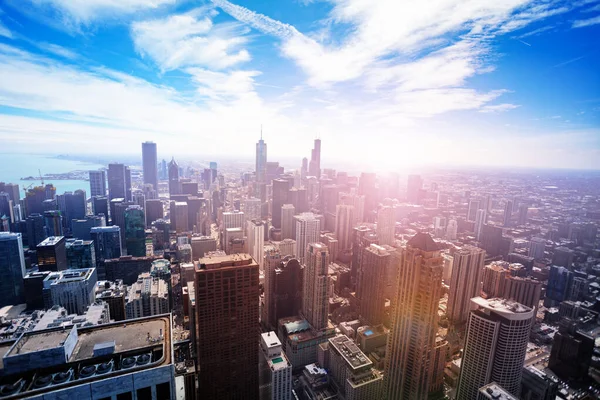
260, 131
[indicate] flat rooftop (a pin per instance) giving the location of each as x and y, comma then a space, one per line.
224, 260
506, 308
350, 352
496, 392
43, 340
51, 241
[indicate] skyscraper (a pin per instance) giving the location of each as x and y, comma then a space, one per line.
508, 209
474, 205
227, 292
117, 181
35, 230
494, 280
315, 302
261, 160
314, 166
371, 281
174, 177
413, 189
73, 206
480, 219
495, 346
107, 246
135, 233
467, 270
308, 228
80, 254
411, 344
386, 225
451, 229
281, 187
12, 269
287, 221
150, 164
98, 183
344, 222
51, 254
276, 366
367, 188
537, 248
256, 241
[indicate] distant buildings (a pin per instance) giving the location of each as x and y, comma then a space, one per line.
150, 164
308, 227
12, 269
97, 183
107, 246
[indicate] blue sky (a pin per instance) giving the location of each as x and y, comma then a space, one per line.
386, 83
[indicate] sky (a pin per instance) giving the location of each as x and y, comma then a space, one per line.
386, 83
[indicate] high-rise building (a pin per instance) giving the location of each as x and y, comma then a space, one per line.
523, 210
80, 254
117, 181
107, 246
371, 281
179, 216
451, 230
12, 265
98, 183
314, 166
315, 301
227, 292
358, 201
281, 187
150, 164
261, 160
154, 211
411, 344
508, 210
537, 385
386, 225
494, 280
283, 290
135, 232
308, 227
413, 189
367, 187
73, 289
287, 221
51, 254
495, 346
362, 237
35, 230
82, 228
113, 294
467, 271
474, 205
526, 291
174, 184
256, 241
252, 208
344, 222
100, 206
480, 220
73, 206
277, 368
148, 296
537, 248
53, 222
234, 219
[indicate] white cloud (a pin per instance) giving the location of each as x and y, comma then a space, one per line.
190, 40
57, 50
498, 108
586, 22
4, 31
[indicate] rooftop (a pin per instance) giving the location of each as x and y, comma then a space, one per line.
507, 308
496, 392
223, 261
43, 340
5, 236
353, 356
51, 241
423, 241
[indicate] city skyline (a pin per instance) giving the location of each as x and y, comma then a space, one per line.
460, 84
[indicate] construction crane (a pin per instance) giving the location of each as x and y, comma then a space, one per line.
41, 177
25, 189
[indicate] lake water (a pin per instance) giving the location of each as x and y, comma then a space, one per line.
13, 167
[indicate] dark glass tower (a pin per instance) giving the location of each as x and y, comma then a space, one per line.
150, 164
135, 234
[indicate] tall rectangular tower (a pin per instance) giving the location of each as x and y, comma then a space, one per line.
386, 225
308, 228
98, 183
411, 343
13, 269
467, 271
227, 302
344, 222
315, 303
371, 281
117, 181
150, 164
261, 160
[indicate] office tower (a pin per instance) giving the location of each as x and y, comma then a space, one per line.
563, 257
283, 289
480, 220
227, 292
12, 264
474, 205
537, 385
261, 160
138, 197
80, 254
526, 291
537, 248
413, 189
12, 189
233, 241
73, 289
362, 237
179, 216
287, 247
491, 239
315, 301
174, 177
281, 188
81, 228
202, 245
34, 198
135, 233
493, 391
314, 166
53, 221
271, 264
146, 297
234, 219
113, 294
51, 254
367, 188
344, 222
252, 208
523, 209
6, 206
495, 346
411, 344
97, 183
329, 197
451, 230
467, 270
73, 206
150, 164
439, 226
107, 246
386, 225
559, 284
100, 206
352, 370
33, 285
117, 181
494, 280
371, 281
276, 370
287, 221
308, 229
35, 230
304, 169
256, 241
356, 200
508, 209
